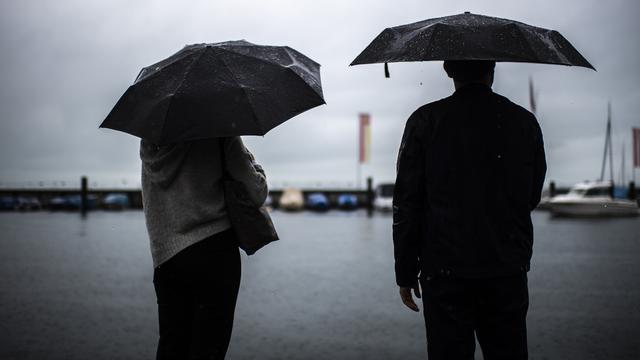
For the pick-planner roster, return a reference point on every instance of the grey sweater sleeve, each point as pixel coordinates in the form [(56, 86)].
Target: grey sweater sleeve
[(242, 167)]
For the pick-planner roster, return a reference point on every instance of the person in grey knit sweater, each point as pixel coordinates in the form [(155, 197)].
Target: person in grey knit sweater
[(194, 250)]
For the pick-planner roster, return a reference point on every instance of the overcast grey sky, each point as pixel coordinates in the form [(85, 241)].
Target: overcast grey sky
[(65, 63)]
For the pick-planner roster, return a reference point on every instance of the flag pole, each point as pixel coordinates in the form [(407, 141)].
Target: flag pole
[(358, 175), (364, 143), (636, 152), (359, 153)]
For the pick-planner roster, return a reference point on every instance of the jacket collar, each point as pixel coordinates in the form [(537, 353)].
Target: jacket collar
[(473, 88)]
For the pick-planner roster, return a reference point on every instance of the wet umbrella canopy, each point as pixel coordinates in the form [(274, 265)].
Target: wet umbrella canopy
[(216, 90), (471, 37)]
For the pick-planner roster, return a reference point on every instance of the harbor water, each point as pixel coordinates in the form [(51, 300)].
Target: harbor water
[(80, 288)]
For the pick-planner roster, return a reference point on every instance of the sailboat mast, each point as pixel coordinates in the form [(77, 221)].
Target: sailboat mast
[(606, 145), (532, 97), (610, 143)]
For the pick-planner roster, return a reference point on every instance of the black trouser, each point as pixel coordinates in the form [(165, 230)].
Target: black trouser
[(494, 309), (197, 291)]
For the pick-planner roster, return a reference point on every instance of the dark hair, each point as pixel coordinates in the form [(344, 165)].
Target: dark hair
[(468, 70)]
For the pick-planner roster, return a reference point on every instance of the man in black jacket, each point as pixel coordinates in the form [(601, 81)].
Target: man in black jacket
[(470, 170)]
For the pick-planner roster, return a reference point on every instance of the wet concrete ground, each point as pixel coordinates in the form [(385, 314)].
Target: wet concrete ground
[(81, 289)]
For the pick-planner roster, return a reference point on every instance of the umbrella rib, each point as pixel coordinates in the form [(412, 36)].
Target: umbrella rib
[(175, 91), (320, 96), (435, 28), (526, 39), (171, 64), (306, 69), (255, 117), (299, 78), (289, 50), (286, 49), (250, 57), (186, 72)]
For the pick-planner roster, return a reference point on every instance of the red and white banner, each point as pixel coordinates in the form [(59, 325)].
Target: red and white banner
[(365, 138), (636, 147)]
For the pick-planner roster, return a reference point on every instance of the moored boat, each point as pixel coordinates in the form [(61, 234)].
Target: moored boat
[(592, 199), (317, 202), (347, 201), (115, 201), (291, 200), (383, 200)]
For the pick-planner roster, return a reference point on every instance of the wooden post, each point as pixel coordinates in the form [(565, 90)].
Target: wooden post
[(369, 196), (633, 195), (84, 201)]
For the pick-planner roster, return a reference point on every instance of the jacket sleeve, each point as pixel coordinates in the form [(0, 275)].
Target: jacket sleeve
[(540, 166), (408, 203), (243, 167)]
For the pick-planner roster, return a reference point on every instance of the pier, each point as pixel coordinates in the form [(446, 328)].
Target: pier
[(92, 197)]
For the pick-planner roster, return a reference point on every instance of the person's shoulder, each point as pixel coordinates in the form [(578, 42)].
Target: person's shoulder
[(425, 111), (525, 118), (434, 105), (505, 104)]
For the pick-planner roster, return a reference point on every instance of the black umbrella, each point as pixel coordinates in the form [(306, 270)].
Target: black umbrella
[(471, 37), (216, 90)]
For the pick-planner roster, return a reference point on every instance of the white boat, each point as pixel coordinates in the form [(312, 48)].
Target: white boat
[(591, 199), (383, 200), (292, 200)]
